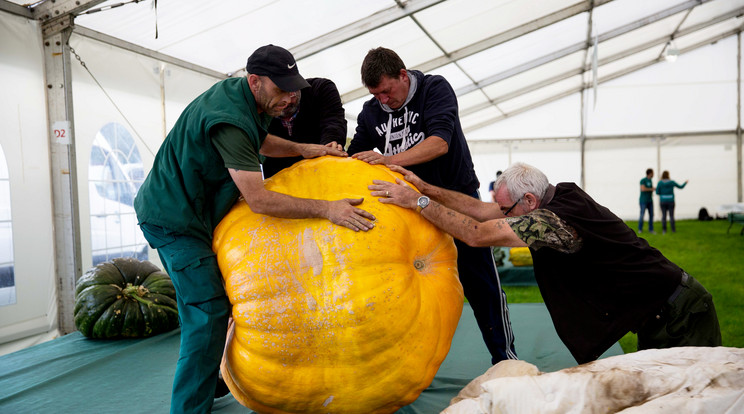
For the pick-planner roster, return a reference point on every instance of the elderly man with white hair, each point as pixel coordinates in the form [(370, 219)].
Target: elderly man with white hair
[(598, 279)]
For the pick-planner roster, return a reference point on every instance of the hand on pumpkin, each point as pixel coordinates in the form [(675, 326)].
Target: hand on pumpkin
[(317, 150), (343, 213), (398, 193), (371, 157), (410, 177)]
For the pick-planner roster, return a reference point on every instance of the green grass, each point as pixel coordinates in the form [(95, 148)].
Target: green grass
[(706, 252)]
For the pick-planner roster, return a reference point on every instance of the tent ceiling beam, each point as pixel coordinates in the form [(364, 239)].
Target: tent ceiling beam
[(57, 15), (16, 9), (492, 41), (607, 78), (511, 34), (604, 61), (360, 27), (662, 135), (113, 41), (578, 46), (50, 10)]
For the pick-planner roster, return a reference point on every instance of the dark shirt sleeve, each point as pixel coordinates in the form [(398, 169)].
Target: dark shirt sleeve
[(363, 140), (440, 111), (237, 149), (542, 228), (331, 115)]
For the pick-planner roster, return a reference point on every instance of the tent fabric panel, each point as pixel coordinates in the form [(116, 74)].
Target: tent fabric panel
[(657, 30), (560, 118), (533, 97), (25, 140), (709, 32), (670, 97), (455, 24), (479, 116), (526, 48), (221, 37), (472, 99), (646, 56), (454, 75), (342, 63), (619, 13), (566, 64), (709, 11)]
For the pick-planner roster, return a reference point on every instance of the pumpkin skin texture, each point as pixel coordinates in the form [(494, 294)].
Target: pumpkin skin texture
[(329, 320), (125, 298)]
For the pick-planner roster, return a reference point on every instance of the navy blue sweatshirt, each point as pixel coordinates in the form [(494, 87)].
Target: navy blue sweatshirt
[(432, 110)]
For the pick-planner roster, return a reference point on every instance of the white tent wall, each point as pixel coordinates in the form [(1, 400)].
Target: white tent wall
[(24, 138), (560, 160), (132, 82), (663, 103), (615, 167)]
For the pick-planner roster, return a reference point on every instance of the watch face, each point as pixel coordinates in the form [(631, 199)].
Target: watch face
[(423, 201)]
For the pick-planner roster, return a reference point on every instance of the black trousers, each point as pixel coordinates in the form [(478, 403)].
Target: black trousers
[(480, 282)]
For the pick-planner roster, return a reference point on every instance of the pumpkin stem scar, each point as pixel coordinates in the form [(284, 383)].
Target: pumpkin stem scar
[(137, 293), (419, 264)]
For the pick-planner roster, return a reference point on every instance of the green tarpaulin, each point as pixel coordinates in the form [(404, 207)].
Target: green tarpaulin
[(73, 374)]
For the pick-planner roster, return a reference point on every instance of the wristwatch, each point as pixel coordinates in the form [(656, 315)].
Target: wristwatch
[(421, 204)]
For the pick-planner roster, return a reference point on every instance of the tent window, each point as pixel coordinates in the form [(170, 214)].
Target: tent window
[(7, 267), (115, 174)]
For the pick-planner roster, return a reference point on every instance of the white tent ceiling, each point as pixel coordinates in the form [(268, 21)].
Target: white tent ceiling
[(503, 57)]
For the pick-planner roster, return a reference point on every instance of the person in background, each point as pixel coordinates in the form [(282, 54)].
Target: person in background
[(647, 202), (599, 279), (412, 121), (209, 159), (665, 190), (314, 116), (490, 187)]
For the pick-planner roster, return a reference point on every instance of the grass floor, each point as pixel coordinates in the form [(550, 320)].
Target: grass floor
[(705, 251)]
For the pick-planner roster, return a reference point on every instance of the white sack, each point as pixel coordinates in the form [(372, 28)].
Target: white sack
[(675, 380)]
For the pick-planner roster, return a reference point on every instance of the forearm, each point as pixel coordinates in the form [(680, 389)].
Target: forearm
[(430, 148), (274, 146), (462, 203), (471, 231), (276, 204)]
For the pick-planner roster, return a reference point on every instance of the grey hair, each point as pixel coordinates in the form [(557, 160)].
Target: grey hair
[(520, 179)]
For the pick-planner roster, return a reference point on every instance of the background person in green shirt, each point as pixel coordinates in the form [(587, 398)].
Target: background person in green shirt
[(665, 190), (211, 157), (647, 202)]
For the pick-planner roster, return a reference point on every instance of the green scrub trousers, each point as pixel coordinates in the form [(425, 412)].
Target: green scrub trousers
[(688, 318), (203, 310)]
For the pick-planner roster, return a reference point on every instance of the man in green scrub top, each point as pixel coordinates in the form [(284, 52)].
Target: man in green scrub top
[(209, 158)]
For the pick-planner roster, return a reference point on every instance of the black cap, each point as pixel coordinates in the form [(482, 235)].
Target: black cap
[(279, 65)]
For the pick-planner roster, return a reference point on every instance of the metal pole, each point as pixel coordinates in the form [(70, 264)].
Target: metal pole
[(583, 139), (63, 168), (738, 121), (162, 99)]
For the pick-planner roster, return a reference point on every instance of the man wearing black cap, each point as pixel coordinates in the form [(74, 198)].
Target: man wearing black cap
[(209, 158)]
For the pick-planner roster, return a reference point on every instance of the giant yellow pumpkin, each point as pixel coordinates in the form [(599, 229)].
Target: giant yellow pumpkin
[(328, 320)]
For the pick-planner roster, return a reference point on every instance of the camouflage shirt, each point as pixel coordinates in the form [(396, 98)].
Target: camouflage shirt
[(542, 228)]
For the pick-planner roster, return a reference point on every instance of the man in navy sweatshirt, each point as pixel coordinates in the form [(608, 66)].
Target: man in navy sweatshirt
[(413, 122)]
